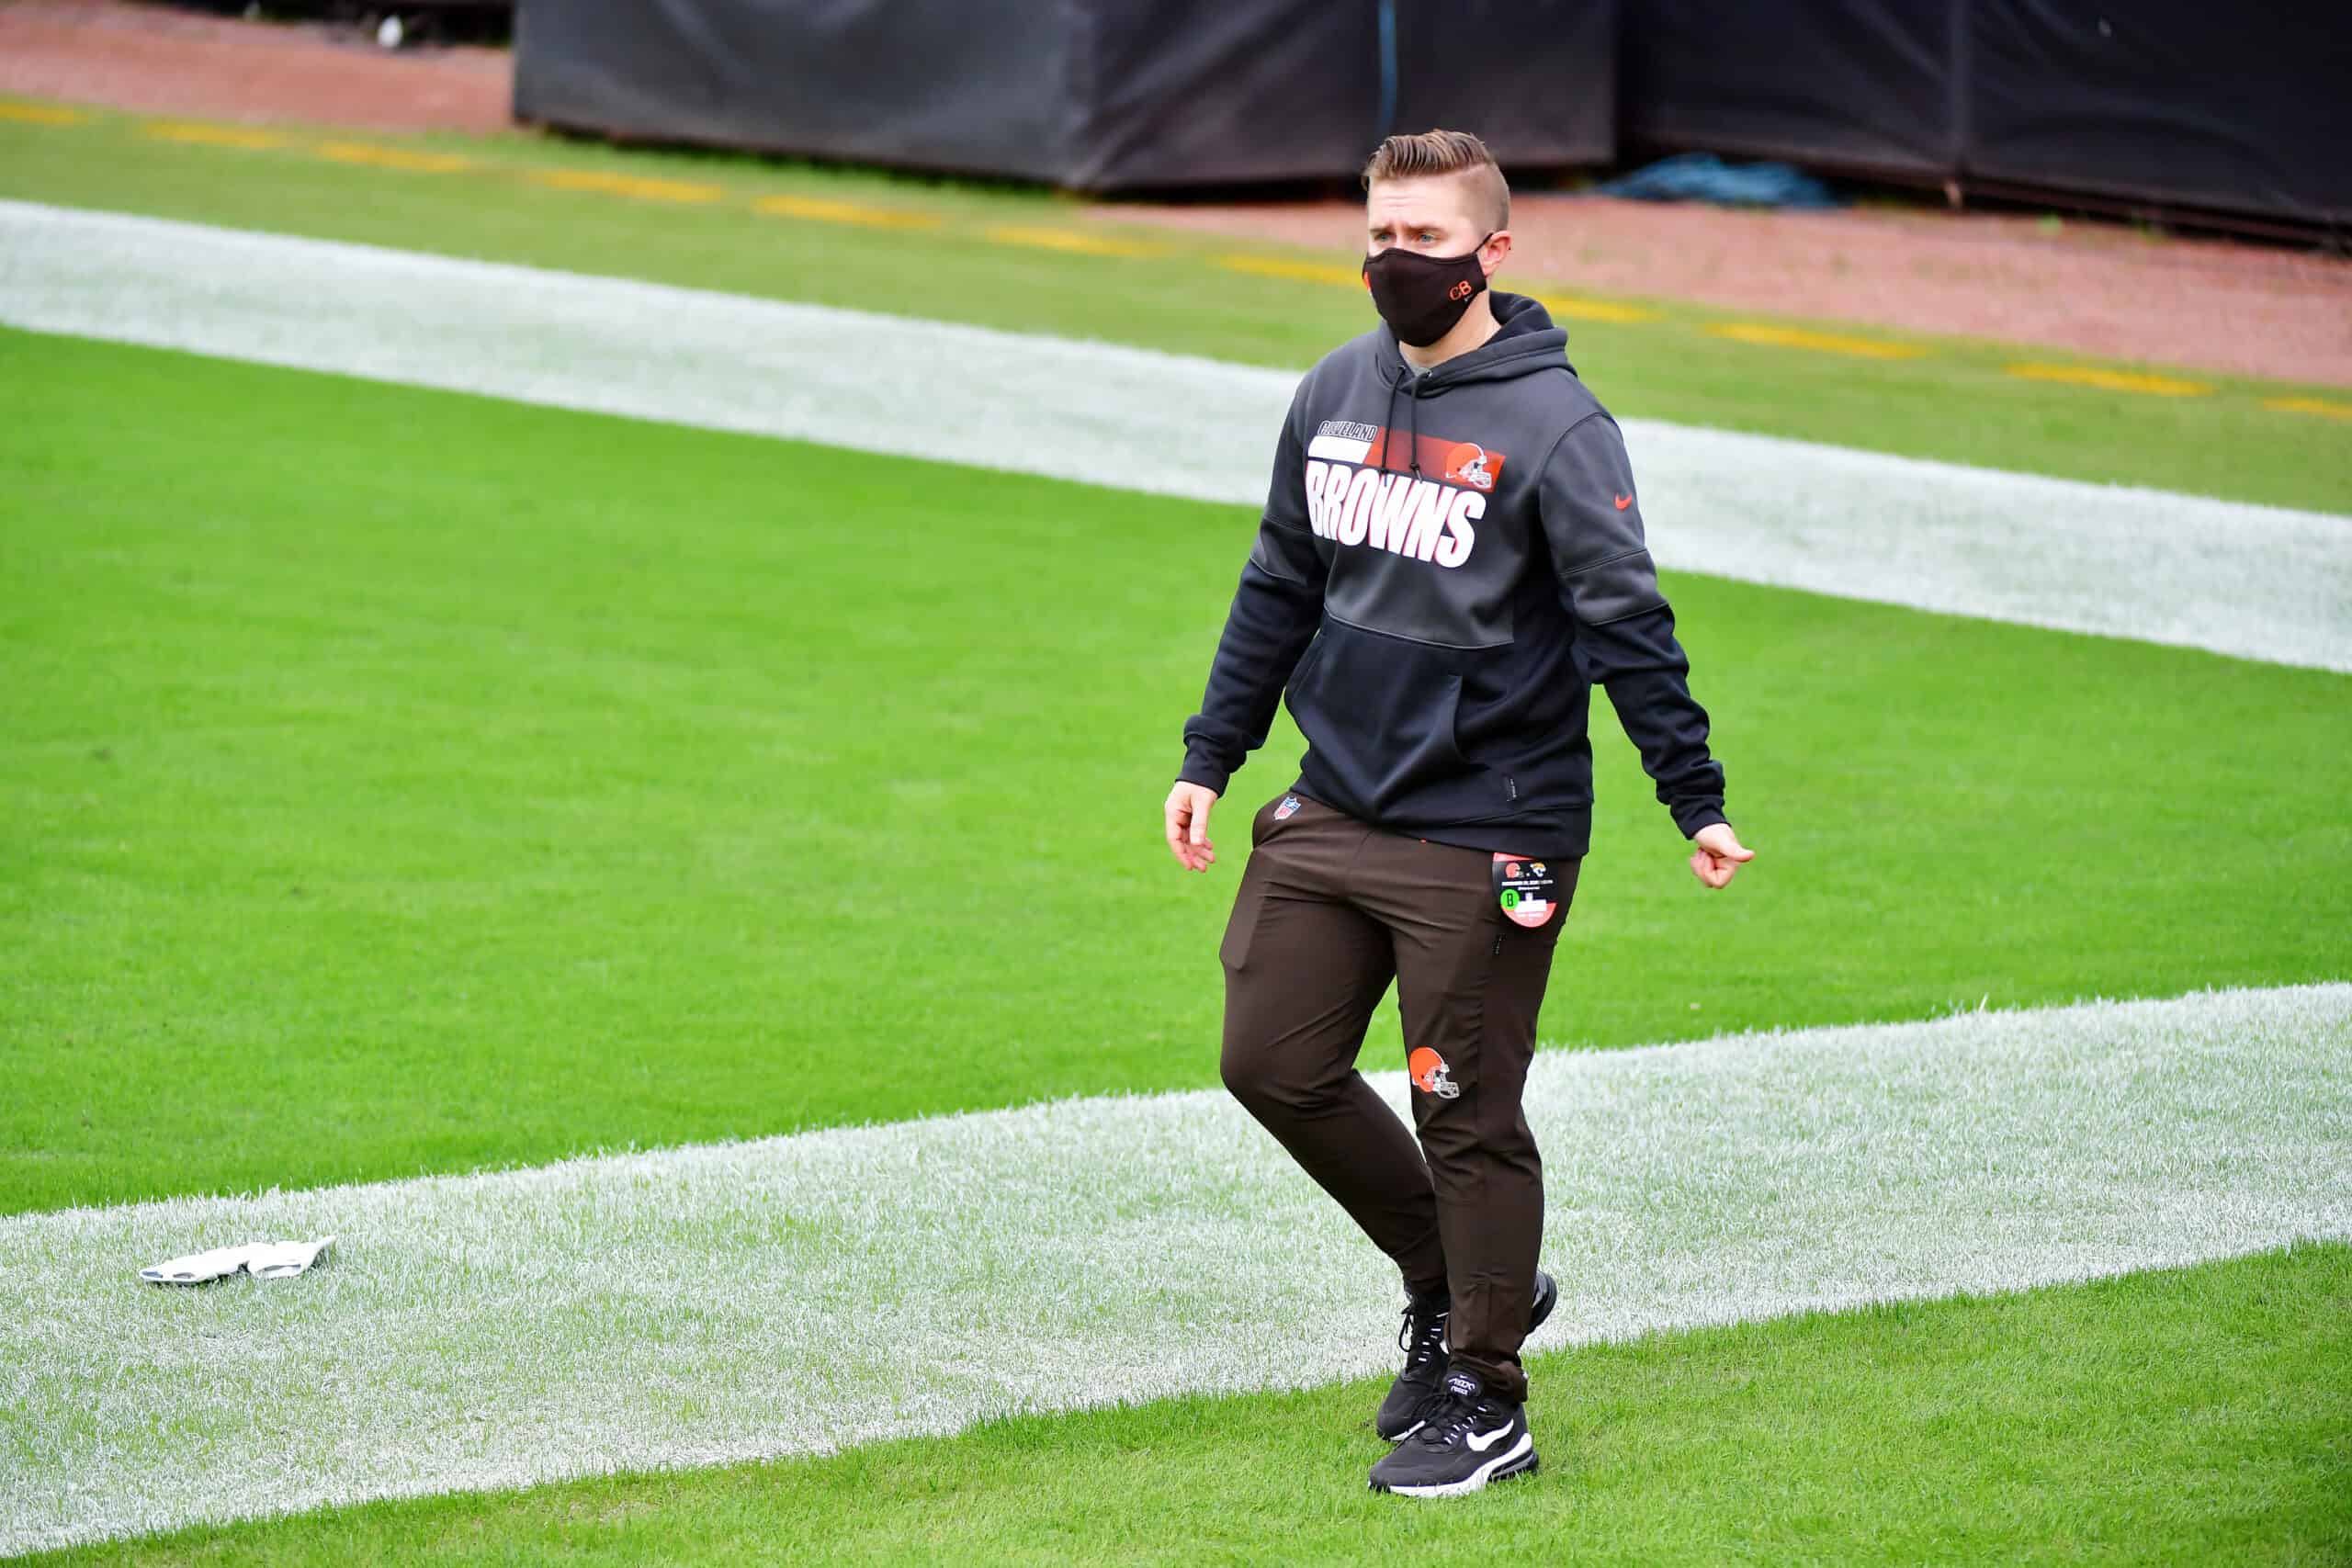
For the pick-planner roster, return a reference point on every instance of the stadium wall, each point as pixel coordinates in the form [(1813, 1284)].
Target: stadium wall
[(1093, 95)]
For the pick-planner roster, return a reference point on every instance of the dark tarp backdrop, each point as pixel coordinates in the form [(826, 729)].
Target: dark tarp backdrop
[(2237, 108), (2243, 107), (972, 85), (1861, 85), (1096, 95), (1177, 92)]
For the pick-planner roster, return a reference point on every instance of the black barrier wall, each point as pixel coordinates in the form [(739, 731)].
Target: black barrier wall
[(972, 85), (1858, 84), (2233, 107), (2243, 108), (1096, 95)]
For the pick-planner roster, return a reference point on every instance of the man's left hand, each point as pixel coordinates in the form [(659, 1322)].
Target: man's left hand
[(1719, 854)]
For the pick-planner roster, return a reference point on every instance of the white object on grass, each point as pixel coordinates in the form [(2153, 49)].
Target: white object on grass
[(284, 1259), (701, 1306), (197, 1268), (262, 1260)]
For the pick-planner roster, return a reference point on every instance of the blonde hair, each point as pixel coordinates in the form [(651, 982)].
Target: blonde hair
[(1435, 152)]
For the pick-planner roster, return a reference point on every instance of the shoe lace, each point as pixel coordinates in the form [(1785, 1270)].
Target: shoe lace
[(1431, 1409), (1444, 1423), (1421, 1336), (1447, 1417)]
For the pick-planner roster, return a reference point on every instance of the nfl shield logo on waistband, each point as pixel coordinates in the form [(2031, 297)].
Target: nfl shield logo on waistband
[(1289, 804)]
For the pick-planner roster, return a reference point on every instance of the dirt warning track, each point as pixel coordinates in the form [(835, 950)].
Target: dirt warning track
[(2087, 287), (148, 59)]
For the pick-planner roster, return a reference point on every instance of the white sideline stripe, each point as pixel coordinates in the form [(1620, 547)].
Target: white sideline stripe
[(719, 1304), (2262, 582)]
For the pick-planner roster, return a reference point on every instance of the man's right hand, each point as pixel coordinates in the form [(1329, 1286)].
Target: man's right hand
[(1188, 826)]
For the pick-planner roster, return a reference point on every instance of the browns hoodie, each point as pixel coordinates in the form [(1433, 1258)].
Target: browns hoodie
[(1447, 564)]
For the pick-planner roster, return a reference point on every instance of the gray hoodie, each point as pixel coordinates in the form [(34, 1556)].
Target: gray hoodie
[(1458, 556)]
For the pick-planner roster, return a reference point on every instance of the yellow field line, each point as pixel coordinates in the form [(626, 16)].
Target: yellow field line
[(206, 135), (2111, 380), (1580, 310), (2319, 406), (1768, 336), (1299, 271), (1077, 241), (41, 114), (825, 210), (1073, 240), (637, 186), (367, 153)]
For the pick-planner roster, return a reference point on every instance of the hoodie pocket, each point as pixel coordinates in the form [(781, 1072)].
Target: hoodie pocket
[(1378, 713)]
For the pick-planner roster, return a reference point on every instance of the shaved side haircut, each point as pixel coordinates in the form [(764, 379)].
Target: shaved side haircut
[(1456, 152)]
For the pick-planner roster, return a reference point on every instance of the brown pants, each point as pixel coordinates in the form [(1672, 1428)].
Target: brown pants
[(1329, 910)]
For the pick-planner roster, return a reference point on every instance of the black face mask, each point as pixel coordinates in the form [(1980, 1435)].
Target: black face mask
[(1421, 297)]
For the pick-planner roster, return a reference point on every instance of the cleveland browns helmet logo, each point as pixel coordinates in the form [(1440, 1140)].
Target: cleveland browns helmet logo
[(1431, 1075), (1465, 464)]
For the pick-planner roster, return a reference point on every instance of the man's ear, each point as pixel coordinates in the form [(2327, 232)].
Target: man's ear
[(1495, 252)]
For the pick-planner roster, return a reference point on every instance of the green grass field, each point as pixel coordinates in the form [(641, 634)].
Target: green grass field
[(2167, 1417), (403, 782), (1957, 404), (408, 781)]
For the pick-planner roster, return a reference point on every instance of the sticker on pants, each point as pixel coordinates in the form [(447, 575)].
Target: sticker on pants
[(1526, 889), (1431, 1075)]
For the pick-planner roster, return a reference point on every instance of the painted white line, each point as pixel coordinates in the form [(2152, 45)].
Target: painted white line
[(2262, 582), (798, 1295)]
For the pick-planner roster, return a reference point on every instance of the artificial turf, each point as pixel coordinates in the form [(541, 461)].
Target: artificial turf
[(2197, 1416), (1956, 403), (402, 781)]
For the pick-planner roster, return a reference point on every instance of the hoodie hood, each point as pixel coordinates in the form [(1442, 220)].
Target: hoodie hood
[(1526, 341), (1445, 564)]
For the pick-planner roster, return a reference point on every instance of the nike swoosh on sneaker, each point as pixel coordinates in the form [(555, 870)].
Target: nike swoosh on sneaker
[(1482, 1441)]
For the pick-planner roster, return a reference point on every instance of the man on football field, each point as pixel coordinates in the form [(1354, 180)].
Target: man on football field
[(1451, 557)]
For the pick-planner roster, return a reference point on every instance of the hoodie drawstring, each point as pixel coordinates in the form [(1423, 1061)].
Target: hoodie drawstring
[(1413, 451), (1414, 398), (1388, 421)]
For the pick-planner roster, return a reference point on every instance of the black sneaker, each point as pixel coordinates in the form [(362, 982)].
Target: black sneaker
[(1475, 1438), (1419, 1391), (1419, 1388), (1547, 1296)]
